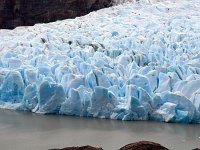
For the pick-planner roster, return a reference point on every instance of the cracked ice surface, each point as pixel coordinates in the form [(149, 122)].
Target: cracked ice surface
[(130, 62)]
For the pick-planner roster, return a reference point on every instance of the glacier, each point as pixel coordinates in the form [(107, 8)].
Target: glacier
[(133, 61)]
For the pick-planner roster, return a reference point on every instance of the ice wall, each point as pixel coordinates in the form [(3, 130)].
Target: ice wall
[(128, 62)]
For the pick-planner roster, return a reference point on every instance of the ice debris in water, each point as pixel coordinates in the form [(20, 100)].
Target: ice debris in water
[(129, 62)]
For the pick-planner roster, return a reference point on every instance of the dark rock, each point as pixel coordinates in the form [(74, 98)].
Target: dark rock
[(80, 148), (15, 13), (143, 145)]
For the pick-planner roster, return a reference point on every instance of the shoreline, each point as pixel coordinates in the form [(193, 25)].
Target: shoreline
[(141, 145)]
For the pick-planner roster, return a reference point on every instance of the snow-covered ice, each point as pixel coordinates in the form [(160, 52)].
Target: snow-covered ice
[(135, 61)]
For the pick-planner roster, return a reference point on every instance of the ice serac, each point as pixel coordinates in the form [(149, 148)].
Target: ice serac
[(175, 108), (73, 105), (51, 96), (12, 89), (134, 61), (102, 102)]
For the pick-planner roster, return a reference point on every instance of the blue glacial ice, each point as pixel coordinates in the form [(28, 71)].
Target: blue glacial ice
[(134, 61)]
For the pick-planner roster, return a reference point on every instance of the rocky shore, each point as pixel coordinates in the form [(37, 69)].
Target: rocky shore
[(80, 148), (142, 145), (15, 13)]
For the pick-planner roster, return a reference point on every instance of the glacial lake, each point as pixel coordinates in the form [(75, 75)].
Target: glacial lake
[(27, 131)]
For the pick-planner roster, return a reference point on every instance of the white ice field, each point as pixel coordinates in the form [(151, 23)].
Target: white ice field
[(134, 61)]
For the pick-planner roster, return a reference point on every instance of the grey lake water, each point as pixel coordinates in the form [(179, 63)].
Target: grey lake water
[(27, 131)]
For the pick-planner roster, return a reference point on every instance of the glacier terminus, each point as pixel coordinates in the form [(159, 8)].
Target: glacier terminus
[(133, 61)]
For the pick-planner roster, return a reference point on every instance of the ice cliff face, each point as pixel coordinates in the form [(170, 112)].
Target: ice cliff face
[(129, 62), (15, 13)]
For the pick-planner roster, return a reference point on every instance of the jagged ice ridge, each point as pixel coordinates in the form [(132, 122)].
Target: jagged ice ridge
[(129, 62)]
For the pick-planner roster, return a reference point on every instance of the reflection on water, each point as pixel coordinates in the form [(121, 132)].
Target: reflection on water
[(47, 131)]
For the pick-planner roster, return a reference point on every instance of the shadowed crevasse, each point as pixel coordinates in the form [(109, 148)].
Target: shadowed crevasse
[(15, 13)]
